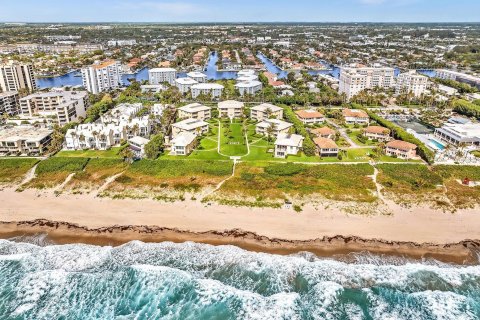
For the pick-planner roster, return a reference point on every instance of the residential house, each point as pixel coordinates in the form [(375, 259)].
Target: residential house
[(137, 145), (310, 117), (355, 116), (277, 127), (265, 111), (183, 144), (401, 149), (195, 126), (288, 144), (326, 147), (324, 132), (459, 133), (377, 133)]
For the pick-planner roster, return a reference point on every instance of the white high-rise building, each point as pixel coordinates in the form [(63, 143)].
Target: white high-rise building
[(161, 75), (15, 77), (355, 80), (9, 103), (411, 82), (102, 76)]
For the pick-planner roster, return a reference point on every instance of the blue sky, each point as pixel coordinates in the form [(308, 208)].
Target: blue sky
[(240, 10)]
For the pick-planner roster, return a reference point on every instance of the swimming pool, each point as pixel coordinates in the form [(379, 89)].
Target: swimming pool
[(436, 145)]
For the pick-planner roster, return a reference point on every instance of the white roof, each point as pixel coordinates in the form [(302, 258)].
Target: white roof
[(246, 72), (196, 74), (266, 106), (248, 84), (139, 140), (183, 139), (278, 124), (186, 81), (190, 124), (247, 78), (230, 104), (162, 70), (293, 140), (194, 107), (207, 86), (27, 133)]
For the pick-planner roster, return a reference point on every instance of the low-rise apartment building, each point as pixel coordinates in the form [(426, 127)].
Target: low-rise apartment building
[(184, 85), (326, 147), (230, 109), (277, 127), (377, 133), (161, 75), (195, 111), (24, 140), (183, 144), (288, 144), (401, 149), (355, 116), (194, 126), (213, 89), (310, 117), (197, 76), (65, 106), (249, 87), (9, 103), (459, 133), (266, 111)]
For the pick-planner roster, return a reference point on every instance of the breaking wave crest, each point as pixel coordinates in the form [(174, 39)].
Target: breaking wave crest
[(198, 281)]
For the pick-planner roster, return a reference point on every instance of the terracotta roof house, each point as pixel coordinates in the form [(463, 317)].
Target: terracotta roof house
[(324, 132), (326, 147), (401, 149), (377, 133), (310, 116), (354, 116)]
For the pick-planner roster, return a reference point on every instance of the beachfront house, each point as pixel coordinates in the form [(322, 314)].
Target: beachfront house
[(183, 144), (195, 126), (355, 116), (137, 145), (377, 133), (230, 109), (194, 111), (324, 132), (288, 144), (265, 111), (326, 147), (310, 117), (401, 149), (272, 127), (24, 140)]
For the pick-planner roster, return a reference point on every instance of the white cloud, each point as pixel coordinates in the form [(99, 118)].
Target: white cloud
[(372, 1)]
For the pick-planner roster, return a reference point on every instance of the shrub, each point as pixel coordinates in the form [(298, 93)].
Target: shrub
[(289, 169)]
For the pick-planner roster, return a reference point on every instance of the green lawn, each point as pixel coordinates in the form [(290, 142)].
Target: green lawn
[(353, 135), (111, 153), (12, 170), (232, 141)]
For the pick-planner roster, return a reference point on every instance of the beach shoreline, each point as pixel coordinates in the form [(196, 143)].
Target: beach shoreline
[(417, 233)]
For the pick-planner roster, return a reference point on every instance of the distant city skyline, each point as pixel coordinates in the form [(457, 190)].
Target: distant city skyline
[(244, 11)]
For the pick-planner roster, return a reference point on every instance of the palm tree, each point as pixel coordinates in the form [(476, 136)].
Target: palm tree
[(270, 131)]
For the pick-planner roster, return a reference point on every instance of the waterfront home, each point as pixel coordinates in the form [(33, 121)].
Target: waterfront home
[(162, 75), (195, 126), (324, 132), (194, 111), (24, 140), (184, 85), (377, 133), (249, 87), (137, 145), (213, 89), (197, 76), (401, 149), (266, 111), (355, 116), (288, 144), (276, 126), (230, 109), (310, 116), (455, 133), (326, 147), (183, 144)]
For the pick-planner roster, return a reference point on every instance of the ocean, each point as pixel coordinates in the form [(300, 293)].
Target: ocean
[(165, 280)]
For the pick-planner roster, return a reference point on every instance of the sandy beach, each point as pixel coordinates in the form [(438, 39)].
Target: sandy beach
[(416, 232)]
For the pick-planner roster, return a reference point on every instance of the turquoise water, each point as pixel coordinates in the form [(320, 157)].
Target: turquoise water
[(197, 281)]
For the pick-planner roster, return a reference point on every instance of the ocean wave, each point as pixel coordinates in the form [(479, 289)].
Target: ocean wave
[(198, 281)]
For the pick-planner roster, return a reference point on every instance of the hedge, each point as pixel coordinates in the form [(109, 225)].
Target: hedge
[(466, 108), (308, 146)]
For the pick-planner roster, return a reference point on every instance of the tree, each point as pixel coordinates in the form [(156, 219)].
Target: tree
[(291, 77), (155, 147), (127, 154)]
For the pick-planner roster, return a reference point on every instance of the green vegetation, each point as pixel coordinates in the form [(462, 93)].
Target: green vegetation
[(13, 170), (461, 87), (407, 179), (99, 108), (155, 147), (54, 171), (281, 181), (232, 140), (466, 108), (308, 146), (111, 153)]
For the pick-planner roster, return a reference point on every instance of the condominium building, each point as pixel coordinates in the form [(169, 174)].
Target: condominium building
[(195, 126), (24, 140), (288, 144), (355, 80), (194, 111), (16, 77), (411, 82), (102, 76), (249, 87), (197, 76), (230, 109), (277, 127), (458, 76), (161, 75), (184, 84), (310, 116), (265, 111), (183, 144), (93, 136), (326, 147), (65, 106), (213, 89), (9, 103), (355, 116), (401, 149), (377, 133), (137, 146), (457, 133)]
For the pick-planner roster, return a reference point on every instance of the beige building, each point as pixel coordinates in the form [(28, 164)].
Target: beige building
[(183, 144), (278, 127), (310, 116), (195, 111), (411, 82), (377, 133), (230, 109), (400, 149), (24, 140), (194, 126), (355, 116), (355, 80), (265, 111), (9, 103), (16, 77), (326, 147), (324, 132)]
